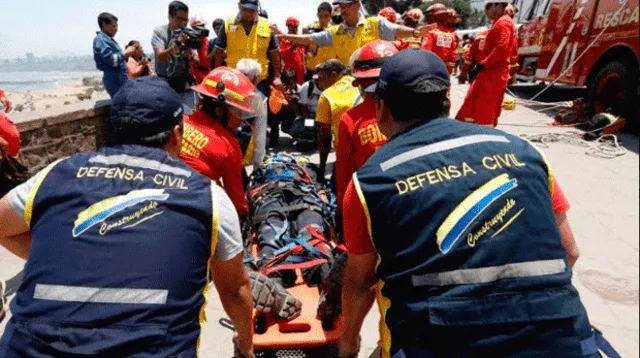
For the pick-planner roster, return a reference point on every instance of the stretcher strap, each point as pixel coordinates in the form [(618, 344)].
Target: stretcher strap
[(295, 266), (289, 257)]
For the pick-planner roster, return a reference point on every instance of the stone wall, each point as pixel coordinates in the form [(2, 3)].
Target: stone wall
[(45, 140)]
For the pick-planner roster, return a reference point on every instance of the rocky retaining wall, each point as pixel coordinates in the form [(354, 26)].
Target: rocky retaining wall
[(45, 140)]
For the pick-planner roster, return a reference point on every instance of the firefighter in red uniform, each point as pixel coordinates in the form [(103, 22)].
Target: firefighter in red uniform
[(389, 13), (208, 144), (483, 102), (411, 19), (358, 132), (454, 20), (292, 54), (477, 52), (441, 40), (513, 70)]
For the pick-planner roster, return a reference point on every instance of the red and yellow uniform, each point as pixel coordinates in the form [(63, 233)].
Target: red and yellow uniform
[(403, 43), (359, 139), (214, 152), (483, 102), (477, 52), (442, 41)]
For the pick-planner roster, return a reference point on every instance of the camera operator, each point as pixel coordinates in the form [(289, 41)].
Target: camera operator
[(173, 56), (200, 66), (138, 62)]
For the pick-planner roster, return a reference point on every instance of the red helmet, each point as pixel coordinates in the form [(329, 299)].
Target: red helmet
[(388, 13), (368, 59), (415, 14), (454, 18), (227, 85), (292, 21), (435, 7)]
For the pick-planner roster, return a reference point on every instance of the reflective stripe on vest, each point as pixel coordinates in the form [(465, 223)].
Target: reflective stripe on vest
[(255, 45), (440, 147), (345, 45), (490, 274), (100, 294)]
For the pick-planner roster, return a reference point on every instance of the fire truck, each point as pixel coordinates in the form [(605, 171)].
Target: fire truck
[(592, 43)]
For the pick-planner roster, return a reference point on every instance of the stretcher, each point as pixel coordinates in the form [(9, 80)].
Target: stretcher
[(306, 335)]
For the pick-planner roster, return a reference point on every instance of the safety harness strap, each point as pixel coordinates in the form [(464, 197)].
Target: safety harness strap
[(289, 257)]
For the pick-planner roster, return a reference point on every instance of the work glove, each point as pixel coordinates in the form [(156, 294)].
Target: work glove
[(475, 71)]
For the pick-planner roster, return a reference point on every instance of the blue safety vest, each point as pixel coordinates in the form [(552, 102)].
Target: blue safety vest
[(118, 267), (461, 218)]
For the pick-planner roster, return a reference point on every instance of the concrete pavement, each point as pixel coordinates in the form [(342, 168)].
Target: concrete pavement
[(604, 215)]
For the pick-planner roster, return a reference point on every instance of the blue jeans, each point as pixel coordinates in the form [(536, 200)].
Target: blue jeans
[(112, 82)]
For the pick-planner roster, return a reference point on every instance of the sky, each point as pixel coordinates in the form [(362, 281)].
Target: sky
[(67, 27)]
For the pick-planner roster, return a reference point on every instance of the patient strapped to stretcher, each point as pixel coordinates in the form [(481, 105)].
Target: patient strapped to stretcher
[(292, 222)]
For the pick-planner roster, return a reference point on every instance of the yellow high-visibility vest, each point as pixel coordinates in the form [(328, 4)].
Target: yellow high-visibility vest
[(342, 96), (345, 45), (254, 46), (317, 55)]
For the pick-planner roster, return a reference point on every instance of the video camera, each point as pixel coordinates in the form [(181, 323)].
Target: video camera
[(194, 36)]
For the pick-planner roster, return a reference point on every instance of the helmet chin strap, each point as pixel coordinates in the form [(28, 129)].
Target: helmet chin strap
[(225, 117)]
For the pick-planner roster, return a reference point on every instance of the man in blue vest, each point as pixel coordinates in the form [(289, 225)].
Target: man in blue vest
[(108, 55), (120, 244), (457, 223)]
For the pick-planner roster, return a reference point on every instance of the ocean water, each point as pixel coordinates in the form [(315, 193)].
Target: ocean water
[(31, 81)]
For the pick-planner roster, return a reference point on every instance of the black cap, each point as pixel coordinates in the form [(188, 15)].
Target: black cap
[(250, 4), (410, 72), (332, 65), (338, 2), (151, 101)]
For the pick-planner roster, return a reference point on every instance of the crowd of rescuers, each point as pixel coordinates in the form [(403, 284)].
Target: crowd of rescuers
[(489, 272)]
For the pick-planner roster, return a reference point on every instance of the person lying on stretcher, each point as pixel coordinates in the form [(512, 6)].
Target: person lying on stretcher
[(292, 216)]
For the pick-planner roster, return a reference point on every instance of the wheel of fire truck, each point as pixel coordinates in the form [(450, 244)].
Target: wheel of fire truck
[(615, 90)]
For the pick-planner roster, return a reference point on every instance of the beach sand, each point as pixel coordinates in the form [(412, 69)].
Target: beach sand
[(69, 94)]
